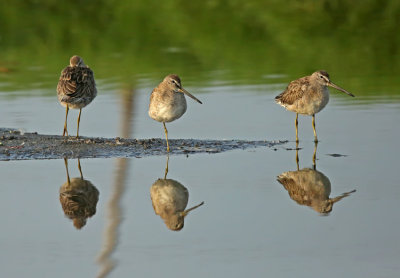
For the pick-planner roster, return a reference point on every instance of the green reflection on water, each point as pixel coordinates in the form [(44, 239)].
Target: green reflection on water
[(236, 42)]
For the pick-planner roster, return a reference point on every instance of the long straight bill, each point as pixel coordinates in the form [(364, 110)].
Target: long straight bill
[(190, 95), (184, 213), (340, 89)]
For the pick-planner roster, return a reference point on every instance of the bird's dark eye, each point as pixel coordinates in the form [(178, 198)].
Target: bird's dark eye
[(321, 76), (175, 82)]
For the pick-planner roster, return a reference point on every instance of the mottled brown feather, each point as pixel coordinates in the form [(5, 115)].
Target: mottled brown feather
[(79, 200), (294, 91), (76, 86), (296, 193)]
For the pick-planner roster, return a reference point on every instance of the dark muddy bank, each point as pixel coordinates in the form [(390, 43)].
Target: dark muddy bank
[(15, 145)]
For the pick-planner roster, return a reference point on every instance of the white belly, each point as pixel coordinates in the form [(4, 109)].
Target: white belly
[(168, 111), (310, 104)]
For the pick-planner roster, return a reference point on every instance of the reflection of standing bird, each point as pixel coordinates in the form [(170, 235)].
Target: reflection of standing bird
[(310, 188), (170, 198), (308, 95), (167, 101), (76, 88), (78, 198)]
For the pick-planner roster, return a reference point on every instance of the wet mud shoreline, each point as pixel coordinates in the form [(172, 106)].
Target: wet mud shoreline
[(15, 145)]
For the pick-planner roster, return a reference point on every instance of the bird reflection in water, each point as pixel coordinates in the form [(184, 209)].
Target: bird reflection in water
[(78, 198), (310, 187), (170, 198)]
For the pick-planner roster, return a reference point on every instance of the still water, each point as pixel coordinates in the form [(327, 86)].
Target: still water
[(248, 225)]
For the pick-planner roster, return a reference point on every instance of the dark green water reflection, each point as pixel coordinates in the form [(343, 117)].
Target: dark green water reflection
[(236, 42)]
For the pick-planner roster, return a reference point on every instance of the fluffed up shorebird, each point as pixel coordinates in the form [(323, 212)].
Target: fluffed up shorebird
[(308, 95), (167, 101), (76, 88)]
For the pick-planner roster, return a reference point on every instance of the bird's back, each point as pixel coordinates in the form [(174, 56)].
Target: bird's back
[(306, 185), (294, 91), (304, 96), (76, 87)]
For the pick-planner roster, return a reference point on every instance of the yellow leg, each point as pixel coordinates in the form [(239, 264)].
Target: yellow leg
[(314, 158), (166, 136), (297, 124), (79, 120), (297, 155), (313, 125), (79, 167), (166, 168), (65, 124), (66, 168)]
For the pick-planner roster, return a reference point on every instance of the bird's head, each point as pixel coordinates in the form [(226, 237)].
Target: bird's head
[(322, 78), (76, 61), (173, 82), (175, 222)]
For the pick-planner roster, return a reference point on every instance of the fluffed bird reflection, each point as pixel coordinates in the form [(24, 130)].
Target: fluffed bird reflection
[(170, 198), (78, 198), (309, 187)]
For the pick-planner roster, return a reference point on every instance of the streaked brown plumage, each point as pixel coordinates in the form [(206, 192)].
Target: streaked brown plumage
[(78, 198), (311, 188), (167, 101), (308, 95), (76, 88)]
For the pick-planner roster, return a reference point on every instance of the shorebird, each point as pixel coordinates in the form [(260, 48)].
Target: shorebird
[(170, 198), (78, 198), (167, 101), (308, 95), (76, 88)]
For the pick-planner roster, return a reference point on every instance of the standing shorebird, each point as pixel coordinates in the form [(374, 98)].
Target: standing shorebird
[(167, 101), (76, 88), (308, 95)]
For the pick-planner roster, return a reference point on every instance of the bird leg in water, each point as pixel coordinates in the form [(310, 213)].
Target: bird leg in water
[(79, 167), (65, 124), (166, 136), (297, 156), (314, 158), (66, 167), (166, 168), (79, 120), (297, 125), (313, 125)]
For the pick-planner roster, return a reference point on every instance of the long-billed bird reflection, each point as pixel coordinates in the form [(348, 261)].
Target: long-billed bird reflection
[(170, 198), (310, 187), (78, 198)]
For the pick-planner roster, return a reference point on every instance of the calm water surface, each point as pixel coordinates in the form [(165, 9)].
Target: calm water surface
[(235, 57), (249, 225)]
